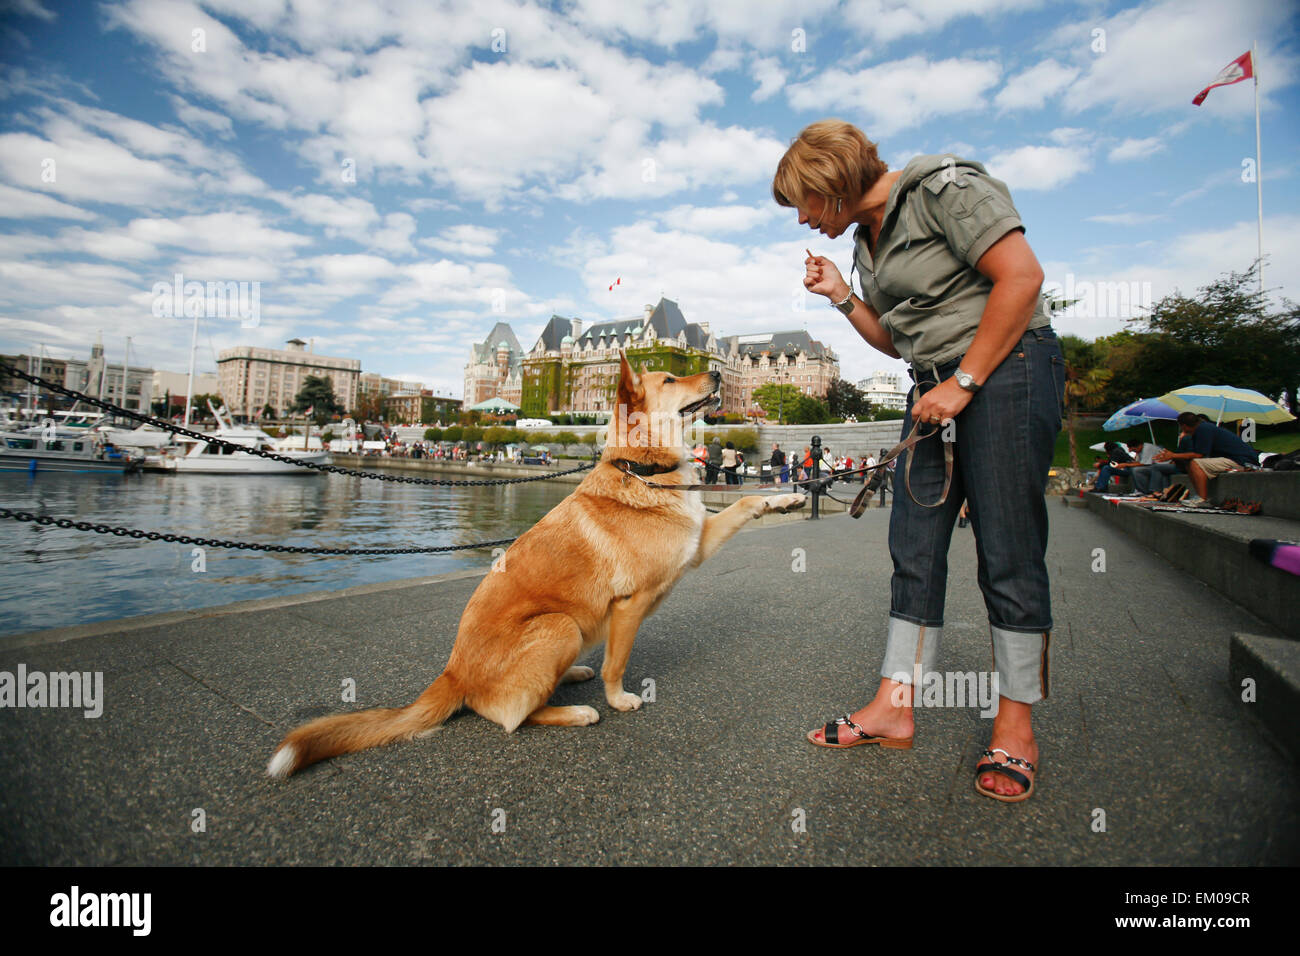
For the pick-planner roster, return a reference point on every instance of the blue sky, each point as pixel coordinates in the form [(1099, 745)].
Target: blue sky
[(512, 159)]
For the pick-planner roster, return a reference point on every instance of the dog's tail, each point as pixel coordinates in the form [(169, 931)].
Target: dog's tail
[(346, 733)]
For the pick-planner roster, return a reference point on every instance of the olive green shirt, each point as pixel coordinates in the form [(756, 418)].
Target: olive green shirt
[(943, 213)]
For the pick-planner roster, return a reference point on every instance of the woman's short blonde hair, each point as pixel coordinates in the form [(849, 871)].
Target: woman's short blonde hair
[(830, 158)]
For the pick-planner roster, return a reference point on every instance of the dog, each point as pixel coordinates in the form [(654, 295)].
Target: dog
[(589, 572)]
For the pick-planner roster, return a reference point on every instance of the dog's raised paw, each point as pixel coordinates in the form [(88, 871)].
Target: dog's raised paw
[(783, 503), (625, 701)]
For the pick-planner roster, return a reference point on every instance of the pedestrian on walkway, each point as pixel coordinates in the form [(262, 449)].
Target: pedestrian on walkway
[(715, 461), (729, 463), (973, 327)]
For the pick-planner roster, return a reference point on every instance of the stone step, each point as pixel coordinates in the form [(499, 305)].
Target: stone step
[(1215, 549), (1271, 665)]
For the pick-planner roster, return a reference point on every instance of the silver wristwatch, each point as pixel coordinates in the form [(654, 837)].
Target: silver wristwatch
[(966, 381), (847, 305)]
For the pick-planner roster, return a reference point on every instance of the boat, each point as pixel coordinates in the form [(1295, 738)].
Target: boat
[(206, 457), (41, 449)]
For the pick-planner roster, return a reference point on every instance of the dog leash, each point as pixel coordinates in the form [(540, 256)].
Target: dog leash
[(859, 503)]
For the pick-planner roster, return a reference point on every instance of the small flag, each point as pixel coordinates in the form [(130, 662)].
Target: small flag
[(618, 281), (1242, 68), (310, 410)]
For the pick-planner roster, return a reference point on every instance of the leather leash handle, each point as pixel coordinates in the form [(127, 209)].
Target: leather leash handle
[(865, 495)]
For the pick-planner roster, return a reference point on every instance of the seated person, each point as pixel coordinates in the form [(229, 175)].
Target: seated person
[(1211, 450), (1116, 457), (1144, 477)]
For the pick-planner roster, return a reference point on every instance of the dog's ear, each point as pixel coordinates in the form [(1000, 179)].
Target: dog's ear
[(630, 390)]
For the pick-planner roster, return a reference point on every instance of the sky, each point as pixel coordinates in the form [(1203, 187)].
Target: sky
[(389, 179)]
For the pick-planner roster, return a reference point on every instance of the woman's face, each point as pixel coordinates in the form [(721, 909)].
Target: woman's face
[(820, 216)]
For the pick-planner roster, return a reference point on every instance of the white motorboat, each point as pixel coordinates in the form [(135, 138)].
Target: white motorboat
[(205, 457)]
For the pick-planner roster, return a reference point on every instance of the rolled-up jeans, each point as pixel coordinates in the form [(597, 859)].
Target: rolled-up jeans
[(1003, 444)]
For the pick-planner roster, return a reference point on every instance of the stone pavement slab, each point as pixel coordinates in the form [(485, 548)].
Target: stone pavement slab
[(1141, 728)]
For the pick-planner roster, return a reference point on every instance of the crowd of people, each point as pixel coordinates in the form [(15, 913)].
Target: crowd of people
[(443, 451), (718, 460)]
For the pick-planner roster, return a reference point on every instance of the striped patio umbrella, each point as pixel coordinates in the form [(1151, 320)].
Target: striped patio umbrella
[(1136, 413), (1227, 404)]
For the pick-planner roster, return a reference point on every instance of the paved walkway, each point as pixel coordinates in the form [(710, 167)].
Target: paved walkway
[(746, 656)]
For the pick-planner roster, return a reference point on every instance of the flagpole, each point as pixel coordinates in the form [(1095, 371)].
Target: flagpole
[(1259, 169)]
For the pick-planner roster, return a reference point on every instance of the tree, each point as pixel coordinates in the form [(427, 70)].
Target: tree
[(317, 394), (844, 398), (777, 400), (268, 411), (370, 407), (1085, 383), (1226, 335)]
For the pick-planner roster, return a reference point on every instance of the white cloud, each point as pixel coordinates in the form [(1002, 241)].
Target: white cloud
[(887, 20), (1032, 88), (902, 93), (470, 241), (1126, 218), (716, 219), (1039, 167), (1132, 149), (22, 204), (1159, 55), (200, 119), (770, 77)]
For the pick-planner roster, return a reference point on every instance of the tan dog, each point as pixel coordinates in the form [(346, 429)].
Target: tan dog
[(590, 571)]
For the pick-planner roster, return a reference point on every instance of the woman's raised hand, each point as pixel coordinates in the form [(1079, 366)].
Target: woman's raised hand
[(824, 278)]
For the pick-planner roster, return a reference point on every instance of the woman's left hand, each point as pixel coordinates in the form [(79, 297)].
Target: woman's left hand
[(939, 404)]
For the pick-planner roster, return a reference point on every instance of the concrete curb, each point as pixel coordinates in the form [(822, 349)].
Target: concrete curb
[(1273, 664)]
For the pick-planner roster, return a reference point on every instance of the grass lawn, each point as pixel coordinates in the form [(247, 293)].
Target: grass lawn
[(1270, 438)]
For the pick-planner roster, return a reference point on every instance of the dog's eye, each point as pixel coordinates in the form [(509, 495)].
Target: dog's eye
[(669, 379)]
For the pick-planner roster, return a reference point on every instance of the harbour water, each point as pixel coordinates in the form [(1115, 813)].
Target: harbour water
[(55, 577)]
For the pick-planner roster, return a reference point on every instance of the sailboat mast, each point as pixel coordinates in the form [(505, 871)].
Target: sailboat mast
[(189, 391)]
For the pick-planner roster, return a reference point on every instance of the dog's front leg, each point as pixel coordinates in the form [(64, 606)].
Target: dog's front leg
[(624, 620), (720, 527)]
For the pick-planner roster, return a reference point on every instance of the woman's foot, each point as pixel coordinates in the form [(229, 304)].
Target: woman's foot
[(1013, 734), (888, 715)]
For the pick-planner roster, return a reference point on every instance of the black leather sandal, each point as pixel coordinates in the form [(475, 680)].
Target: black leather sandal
[(831, 736), (1015, 776)]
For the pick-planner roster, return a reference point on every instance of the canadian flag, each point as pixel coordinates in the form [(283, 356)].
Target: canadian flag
[(618, 281), (1242, 68), (311, 410)]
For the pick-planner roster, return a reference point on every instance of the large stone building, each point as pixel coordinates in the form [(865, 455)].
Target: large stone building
[(252, 378), (421, 408), (174, 385), (495, 368), (102, 379), (783, 358), (572, 369)]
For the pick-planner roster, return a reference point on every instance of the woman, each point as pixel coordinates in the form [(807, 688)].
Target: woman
[(951, 286), (729, 463)]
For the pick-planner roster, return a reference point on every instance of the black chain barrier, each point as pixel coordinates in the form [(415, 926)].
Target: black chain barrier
[(317, 466), (238, 545)]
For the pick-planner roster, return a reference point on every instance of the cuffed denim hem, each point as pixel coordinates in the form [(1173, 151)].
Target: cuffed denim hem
[(920, 622), (911, 650), (1021, 663), (1046, 628)]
